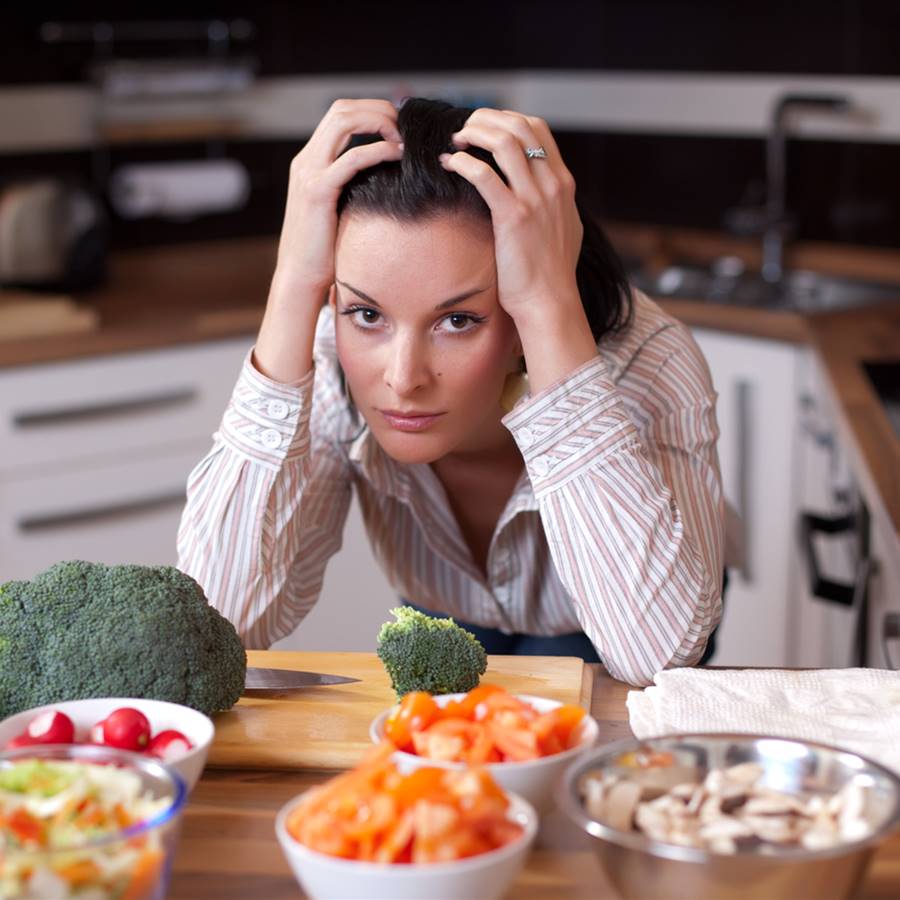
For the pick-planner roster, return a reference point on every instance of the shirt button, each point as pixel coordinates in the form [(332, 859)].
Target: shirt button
[(278, 409), (526, 438), (271, 439), (540, 466)]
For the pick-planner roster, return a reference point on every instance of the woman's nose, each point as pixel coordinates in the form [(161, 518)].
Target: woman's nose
[(407, 368)]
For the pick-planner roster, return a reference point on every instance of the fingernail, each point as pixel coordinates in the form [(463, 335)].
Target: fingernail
[(401, 145), (443, 157)]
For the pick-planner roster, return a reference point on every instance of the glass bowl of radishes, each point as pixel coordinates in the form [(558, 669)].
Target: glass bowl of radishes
[(175, 735)]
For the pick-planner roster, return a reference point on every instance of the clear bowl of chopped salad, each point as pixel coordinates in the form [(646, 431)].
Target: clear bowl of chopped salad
[(87, 822)]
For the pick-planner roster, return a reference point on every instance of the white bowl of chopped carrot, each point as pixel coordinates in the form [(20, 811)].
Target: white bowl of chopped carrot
[(525, 742), (378, 833)]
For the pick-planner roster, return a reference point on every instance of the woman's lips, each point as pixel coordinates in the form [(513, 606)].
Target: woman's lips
[(409, 421)]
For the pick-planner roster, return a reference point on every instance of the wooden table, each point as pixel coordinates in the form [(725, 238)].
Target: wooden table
[(228, 849)]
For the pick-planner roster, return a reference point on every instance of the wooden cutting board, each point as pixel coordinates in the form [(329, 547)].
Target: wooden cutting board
[(328, 727)]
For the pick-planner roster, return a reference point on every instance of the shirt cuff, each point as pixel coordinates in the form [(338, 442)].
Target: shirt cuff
[(266, 420), (570, 425)]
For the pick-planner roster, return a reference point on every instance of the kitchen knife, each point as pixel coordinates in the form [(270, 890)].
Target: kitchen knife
[(284, 679)]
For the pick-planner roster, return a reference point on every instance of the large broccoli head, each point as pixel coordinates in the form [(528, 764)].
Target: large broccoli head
[(83, 629), (422, 653)]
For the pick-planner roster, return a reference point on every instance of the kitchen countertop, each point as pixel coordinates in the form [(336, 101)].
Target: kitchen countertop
[(163, 296), (228, 847), (188, 293)]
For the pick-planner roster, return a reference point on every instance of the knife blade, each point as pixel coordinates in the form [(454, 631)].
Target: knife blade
[(259, 679)]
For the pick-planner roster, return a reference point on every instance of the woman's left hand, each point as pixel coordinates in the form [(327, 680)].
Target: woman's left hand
[(537, 230)]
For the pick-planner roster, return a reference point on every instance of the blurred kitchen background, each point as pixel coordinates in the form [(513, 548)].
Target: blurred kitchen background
[(745, 159)]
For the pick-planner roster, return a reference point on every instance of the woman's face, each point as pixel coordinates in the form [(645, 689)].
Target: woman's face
[(422, 339)]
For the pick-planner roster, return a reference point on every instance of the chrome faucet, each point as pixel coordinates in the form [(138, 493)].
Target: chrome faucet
[(776, 222)]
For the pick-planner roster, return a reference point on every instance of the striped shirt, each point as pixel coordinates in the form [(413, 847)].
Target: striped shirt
[(615, 526)]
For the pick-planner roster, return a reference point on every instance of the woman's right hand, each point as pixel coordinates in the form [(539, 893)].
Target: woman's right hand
[(305, 266), (318, 174)]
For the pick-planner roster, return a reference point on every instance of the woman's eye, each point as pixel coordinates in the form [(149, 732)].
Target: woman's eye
[(459, 322), (363, 316)]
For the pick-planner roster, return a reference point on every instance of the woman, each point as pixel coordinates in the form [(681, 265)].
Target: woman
[(587, 520)]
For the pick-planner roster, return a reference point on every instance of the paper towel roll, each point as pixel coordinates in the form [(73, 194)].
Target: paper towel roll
[(179, 190)]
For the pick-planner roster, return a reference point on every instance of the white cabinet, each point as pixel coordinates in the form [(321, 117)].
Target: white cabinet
[(95, 454), (756, 384), (884, 596), (94, 459), (783, 455), (861, 558), (116, 512), (821, 633)]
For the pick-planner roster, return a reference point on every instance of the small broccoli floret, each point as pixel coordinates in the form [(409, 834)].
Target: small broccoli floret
[(422, 653), (83, 629)]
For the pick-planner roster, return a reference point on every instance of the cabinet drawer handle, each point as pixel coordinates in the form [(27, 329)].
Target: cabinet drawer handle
[(819, 586), (111, 410), (854, 594), (92, 515), (890, 630)]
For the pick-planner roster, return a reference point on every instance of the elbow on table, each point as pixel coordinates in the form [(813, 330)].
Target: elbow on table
[(684, 649)]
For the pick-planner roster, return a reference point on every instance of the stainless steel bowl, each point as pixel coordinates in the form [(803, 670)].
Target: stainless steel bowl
[(644, 869)]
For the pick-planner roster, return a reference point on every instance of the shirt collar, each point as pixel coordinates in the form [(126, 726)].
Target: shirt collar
[(390, 477)]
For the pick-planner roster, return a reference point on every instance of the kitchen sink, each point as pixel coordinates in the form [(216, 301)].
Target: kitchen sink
[(727, 282), (885, 378)]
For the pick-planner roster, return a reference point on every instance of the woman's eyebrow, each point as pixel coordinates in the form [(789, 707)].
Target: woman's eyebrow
[(444, 304)]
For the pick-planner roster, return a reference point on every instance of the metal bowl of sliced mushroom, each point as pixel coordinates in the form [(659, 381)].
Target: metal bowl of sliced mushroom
[(730, 816)]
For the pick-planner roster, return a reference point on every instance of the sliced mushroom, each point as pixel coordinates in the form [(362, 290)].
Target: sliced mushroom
[(621, 802), (775, 829), (746, 774), (725, 827)]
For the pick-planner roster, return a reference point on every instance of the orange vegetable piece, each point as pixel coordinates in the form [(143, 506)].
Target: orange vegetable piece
[(501, 700), (568, 718), (397, 841), (417, 710), (144, 876), (467, 705), (453, 740), (477, 783), (79, 873), (27, 828), (516, 744), (550, 745), (419, 783)]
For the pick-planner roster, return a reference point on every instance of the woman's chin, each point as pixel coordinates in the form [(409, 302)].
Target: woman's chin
[(412, 449)]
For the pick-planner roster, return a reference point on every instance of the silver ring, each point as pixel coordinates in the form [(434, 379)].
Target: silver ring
[(535, 153)]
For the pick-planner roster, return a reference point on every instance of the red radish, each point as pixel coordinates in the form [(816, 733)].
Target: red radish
[(51, 727), (127, 729), (95, 735), (169, 745), (21, 740)]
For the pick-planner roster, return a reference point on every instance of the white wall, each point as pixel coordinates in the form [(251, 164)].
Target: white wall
[(43, 117)]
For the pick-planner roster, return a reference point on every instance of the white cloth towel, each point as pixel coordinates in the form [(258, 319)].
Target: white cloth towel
[(855, 709)]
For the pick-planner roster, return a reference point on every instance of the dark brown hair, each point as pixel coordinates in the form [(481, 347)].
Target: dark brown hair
[(417, 188)]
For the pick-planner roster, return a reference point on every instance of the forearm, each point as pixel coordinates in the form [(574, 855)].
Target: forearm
[(265, 509), (284, 346), (644, 590), (633, 518), (556, 339)]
